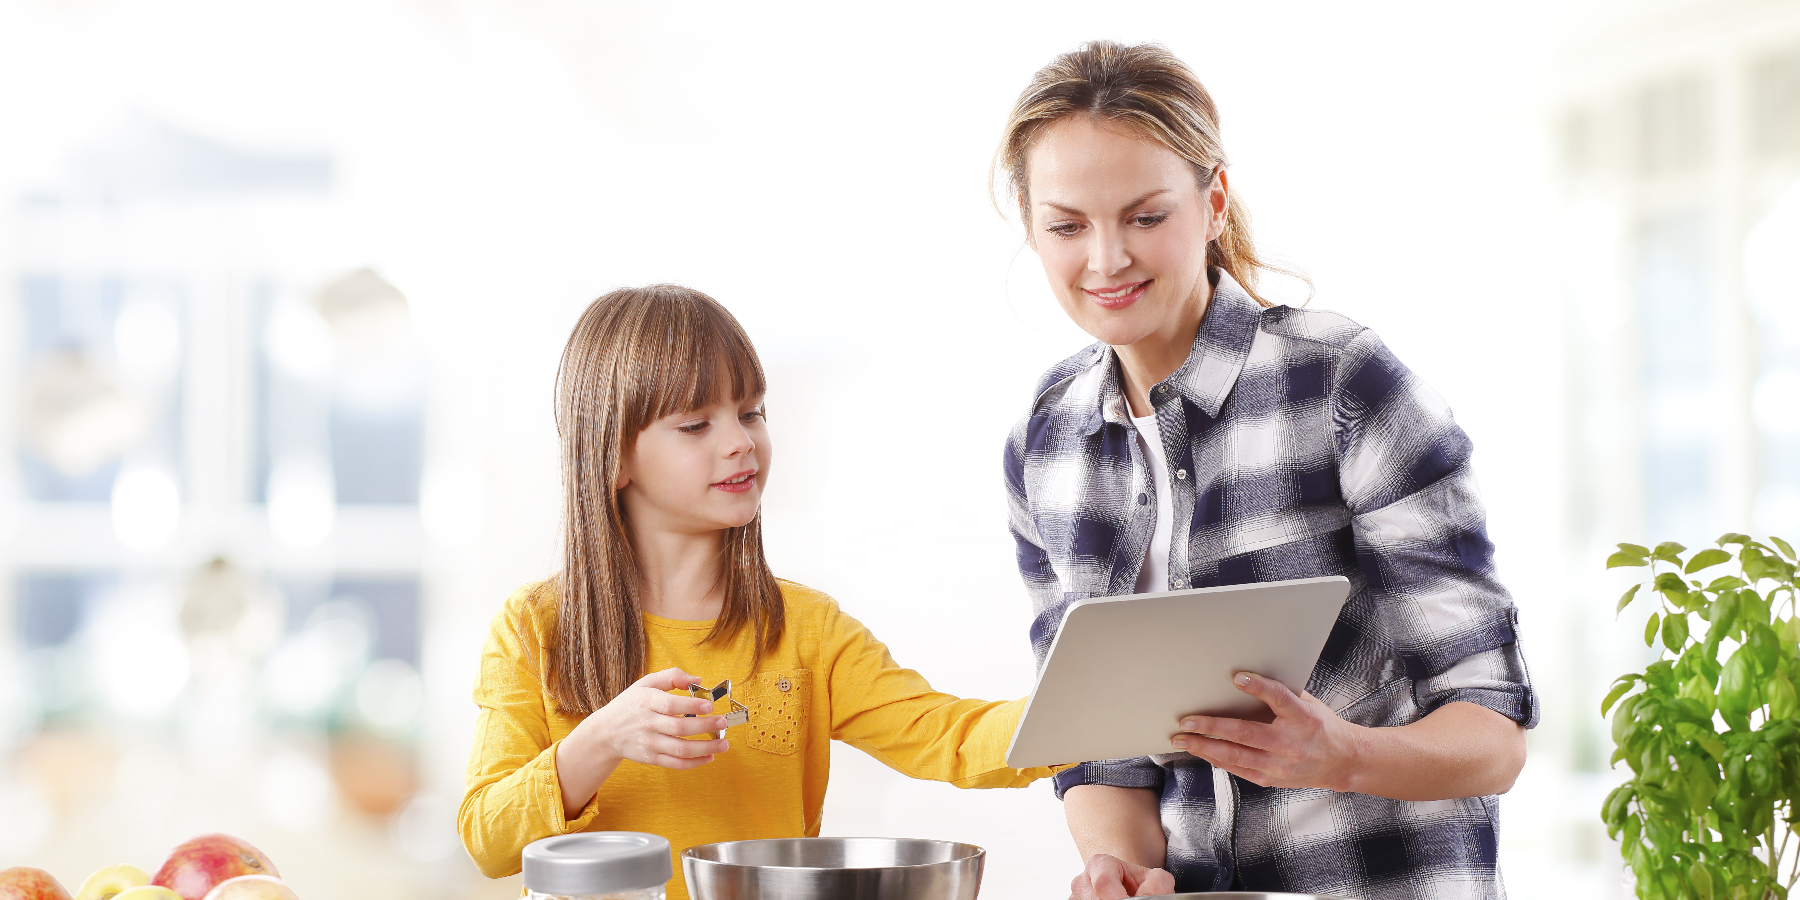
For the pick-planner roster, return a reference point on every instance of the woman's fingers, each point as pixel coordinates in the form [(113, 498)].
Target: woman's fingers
[(1225, 753), (1269, 691), (1237, 731)]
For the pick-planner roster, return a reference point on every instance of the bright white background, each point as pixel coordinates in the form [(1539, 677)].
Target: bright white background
[(821, 170)]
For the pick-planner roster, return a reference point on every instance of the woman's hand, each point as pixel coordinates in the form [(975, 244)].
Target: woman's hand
[(1459, 749), (1307, 745), (1108, 877), (644, 724)]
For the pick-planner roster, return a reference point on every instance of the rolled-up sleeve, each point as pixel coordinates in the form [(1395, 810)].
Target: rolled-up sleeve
[(1421, 538), (1135, 772)]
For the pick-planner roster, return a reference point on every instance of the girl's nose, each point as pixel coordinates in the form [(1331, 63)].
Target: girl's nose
[(739, 442)]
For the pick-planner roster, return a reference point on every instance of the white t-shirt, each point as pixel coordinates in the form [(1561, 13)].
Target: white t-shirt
[(1154, 576)]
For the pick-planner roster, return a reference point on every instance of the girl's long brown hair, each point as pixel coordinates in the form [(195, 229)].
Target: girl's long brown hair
[(636, 355), (1146, 88)]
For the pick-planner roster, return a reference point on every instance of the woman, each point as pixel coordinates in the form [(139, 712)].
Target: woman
[(1212, 438)]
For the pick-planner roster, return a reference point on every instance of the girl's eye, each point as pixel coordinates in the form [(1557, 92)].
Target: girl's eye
[(756, 413), (1150, 220), (692, 427)]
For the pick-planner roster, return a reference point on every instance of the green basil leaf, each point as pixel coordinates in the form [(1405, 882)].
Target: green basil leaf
[(1787, 550), (1699, 689), (1762, 773), (1726, 583), (1675, 631), (1737, 692), (1764, 646), (1783, 704), (1701, 880), (1714, 747), (1626, 600), (1612, 696), (1755, 565), (1650, 629), (1724, 616), (1733, 538), (1709, 557), (1622, 558), (1668, 551)]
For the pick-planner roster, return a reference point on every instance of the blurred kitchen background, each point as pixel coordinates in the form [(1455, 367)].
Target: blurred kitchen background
[(283, 285)]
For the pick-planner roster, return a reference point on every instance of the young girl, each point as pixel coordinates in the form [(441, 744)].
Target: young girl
[(584, 708)]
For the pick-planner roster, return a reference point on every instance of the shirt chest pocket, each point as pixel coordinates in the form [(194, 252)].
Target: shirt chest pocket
[(778, 702)]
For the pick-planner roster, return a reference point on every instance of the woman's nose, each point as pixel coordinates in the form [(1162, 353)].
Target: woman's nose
[(1106, 254)]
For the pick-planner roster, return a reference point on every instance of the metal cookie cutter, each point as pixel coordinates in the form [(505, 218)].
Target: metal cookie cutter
[(739, 715)]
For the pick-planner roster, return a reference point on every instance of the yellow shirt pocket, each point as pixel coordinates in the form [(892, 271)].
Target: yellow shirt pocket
[(778, 704)]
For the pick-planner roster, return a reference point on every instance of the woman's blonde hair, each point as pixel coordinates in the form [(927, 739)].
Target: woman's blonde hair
[(636, 355), (1147, 89)]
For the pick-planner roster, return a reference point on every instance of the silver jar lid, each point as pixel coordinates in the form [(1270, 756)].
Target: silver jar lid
[(594, 861)]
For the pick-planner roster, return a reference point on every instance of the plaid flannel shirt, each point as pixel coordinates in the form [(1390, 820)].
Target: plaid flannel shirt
[(1298, 447)]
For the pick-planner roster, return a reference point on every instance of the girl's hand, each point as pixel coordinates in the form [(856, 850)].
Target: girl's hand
[(1306, 746), (646, 724)]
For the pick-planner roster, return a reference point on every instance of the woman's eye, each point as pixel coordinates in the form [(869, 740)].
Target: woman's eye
[(1064, 229), (1149, 221)]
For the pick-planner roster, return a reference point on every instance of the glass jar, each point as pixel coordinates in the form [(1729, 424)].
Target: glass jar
[(598, 865)]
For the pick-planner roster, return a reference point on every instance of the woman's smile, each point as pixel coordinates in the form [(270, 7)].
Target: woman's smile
[(1118, 296)]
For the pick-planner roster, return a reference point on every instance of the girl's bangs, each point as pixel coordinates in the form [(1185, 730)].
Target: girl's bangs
[(704, 358)]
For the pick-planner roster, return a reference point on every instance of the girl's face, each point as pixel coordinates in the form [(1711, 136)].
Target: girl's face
[(1121, 227), (698, 471)]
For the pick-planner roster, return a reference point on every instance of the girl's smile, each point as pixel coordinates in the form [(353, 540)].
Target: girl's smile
[(737, 483)]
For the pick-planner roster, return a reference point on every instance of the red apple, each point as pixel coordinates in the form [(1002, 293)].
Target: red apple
[(26, 883), (197, 864)]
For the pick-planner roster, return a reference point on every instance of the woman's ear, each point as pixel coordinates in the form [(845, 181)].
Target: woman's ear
[(1218, 205)]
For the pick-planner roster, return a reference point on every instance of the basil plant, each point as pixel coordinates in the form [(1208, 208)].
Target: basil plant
[(1710, 729)]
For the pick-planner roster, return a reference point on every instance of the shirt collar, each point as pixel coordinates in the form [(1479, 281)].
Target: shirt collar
[(1205, 378)]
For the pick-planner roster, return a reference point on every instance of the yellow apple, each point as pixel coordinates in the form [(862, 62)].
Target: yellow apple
[(252, 887), (108, 882), (147, 892)]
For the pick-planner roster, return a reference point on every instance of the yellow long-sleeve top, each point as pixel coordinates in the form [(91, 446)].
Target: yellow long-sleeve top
[(828, 677)]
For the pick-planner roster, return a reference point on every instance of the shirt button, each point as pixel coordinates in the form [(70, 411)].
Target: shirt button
[(783, 685), (1180, 474), (1177, 582), (1143, 499)]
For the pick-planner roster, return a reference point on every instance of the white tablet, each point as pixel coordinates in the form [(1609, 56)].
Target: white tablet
[(1124, 670)]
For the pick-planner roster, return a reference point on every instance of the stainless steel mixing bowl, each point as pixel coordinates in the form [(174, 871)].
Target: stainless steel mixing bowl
[(833, 869)]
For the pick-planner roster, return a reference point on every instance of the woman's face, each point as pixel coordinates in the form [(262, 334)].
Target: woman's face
[(698, 471), (1121, 227)]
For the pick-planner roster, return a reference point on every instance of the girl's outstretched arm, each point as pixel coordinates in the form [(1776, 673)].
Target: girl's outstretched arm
[(891, 713)]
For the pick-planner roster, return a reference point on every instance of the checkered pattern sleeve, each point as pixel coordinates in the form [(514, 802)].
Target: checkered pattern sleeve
[(1420, 537)]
